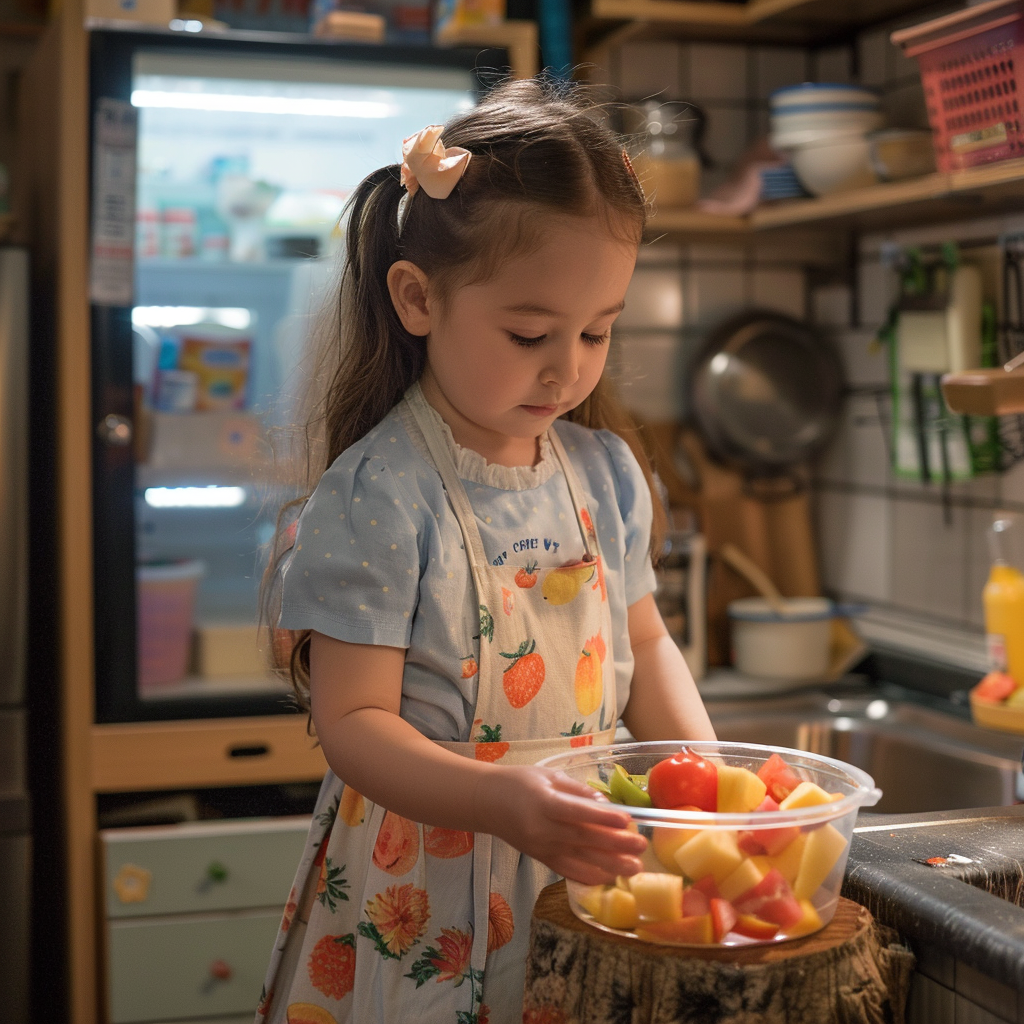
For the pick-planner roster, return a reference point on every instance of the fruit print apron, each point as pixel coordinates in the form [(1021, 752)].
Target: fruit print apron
[(390, 920)]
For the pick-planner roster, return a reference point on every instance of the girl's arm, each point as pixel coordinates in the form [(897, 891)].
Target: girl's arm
[(355, 692), (663, 700)]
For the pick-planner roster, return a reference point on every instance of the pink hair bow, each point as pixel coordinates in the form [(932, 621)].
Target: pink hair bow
[(428, 165)]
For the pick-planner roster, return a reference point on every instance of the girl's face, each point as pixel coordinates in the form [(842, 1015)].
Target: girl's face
[(508, 356)]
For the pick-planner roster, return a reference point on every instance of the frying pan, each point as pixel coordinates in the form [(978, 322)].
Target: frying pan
[(766, 392)]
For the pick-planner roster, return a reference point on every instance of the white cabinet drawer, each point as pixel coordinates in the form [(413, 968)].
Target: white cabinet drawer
[(181, 968), (178, 869)]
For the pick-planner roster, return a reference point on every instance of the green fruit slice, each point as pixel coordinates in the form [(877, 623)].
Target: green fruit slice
[(625, 791)]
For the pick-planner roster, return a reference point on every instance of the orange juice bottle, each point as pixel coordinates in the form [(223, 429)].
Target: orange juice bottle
[(1003, 598)]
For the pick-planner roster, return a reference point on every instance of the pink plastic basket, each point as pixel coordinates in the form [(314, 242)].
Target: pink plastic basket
[(973, 82)]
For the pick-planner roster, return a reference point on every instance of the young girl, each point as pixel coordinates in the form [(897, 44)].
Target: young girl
[(472, 574)]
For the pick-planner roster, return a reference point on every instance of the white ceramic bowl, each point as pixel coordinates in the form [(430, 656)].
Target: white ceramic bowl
[(796, 645), (723, 852), (817, 94), (834, 165), (826, 121)]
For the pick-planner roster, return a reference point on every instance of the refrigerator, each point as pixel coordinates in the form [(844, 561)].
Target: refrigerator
[(220, 166), (15, 840)]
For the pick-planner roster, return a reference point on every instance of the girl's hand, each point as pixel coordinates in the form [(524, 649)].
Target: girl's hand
[(562, 823)]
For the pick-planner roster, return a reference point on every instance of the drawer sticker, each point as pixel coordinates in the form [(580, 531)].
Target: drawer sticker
[(132, 883)]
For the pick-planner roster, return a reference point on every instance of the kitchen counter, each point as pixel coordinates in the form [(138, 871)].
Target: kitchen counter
[(971, 907)]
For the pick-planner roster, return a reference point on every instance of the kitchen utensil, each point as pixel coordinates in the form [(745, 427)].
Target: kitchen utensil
[(766, 392), (792, 642), (754, 575), (712, 848)]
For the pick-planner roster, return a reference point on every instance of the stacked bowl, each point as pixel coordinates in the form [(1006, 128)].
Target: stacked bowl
[(823, 128)]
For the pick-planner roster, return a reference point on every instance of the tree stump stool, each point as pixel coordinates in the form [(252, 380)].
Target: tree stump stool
[(851, 972)]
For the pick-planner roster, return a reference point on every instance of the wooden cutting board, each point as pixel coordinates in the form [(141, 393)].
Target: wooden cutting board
[(775, 531)]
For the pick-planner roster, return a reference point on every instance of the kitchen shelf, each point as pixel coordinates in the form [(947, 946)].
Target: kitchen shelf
[(791, 21), (989, 190)]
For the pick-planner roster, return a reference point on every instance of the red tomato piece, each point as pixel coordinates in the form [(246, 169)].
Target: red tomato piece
[(753, 927), (695, 902), (780, 779), (708, 886), (996, 687), (767, 840), (771, 900), (685, 778), (723, 917)]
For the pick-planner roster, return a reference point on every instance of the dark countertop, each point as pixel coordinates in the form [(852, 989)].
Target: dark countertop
[(973, 909)]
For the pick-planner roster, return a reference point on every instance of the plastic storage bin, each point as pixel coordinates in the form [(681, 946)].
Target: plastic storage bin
[(973, 82), (166, 600), (725, 879)]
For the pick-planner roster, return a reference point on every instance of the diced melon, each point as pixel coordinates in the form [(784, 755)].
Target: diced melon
[(822, 848), (739, 789), (689, 930), (618, 909), (666, 841), (807, 794), (590, 899), (745, 877), (710, 852), (788, 861), (809, 922), (659, 897)]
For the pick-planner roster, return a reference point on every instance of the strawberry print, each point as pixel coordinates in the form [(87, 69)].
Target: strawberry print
[(577, 737), (527, 576), (523, 679), (489, 745), (508, 600), (332, 965)]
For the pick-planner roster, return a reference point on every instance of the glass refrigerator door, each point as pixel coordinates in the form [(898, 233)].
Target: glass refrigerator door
[(244, 164)]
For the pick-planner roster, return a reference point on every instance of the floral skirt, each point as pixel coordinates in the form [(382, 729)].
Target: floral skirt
[(389, 920)]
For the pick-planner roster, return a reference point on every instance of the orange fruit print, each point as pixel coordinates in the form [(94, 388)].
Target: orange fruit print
[(446, 843), (527, 576), (523, 679), (332, 965), (398, 845)]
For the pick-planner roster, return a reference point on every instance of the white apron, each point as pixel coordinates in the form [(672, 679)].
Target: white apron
[(391, 921)]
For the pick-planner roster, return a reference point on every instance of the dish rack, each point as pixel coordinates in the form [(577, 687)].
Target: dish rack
[(972, 77)]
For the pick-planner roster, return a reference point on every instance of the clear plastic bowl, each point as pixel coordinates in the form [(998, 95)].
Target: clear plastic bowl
[(786, 893)]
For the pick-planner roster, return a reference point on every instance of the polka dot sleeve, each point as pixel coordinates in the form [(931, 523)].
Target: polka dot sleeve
[(633, 497), (355, 569)]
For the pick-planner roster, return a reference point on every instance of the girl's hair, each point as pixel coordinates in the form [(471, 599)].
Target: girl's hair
[(538, 147)]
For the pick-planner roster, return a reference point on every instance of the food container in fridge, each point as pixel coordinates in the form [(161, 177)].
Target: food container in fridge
[(732, 877)]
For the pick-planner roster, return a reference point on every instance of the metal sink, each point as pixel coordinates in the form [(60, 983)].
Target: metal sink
[(922, 759)]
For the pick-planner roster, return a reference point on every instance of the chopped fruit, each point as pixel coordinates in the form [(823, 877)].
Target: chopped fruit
[(666, 841), (739, 790), (617, 909), (710, 852), (723, 917), (753, 927), (1016, 699), (624, 790), (767, 840), (590, 899), (708, 886), (996, 687), (778, 777), (788, 861), (742, 880), (659, 897), (807, 794), (771, 900), (693, 930), (823, 848), (686, 778), (809, 922), (695, 902)]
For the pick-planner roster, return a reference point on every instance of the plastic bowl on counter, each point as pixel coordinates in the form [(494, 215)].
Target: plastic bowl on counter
[(733, 877)]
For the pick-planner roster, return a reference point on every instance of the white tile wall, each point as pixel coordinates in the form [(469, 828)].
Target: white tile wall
[(853, 531), (832, 305), (714, 295), (776, 67), (858, 454), (648, 372), (876, 290), (654, 299), (928, 568), (725, 139), (783, 291), (649, 69), (717, 72), (865, 359)]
